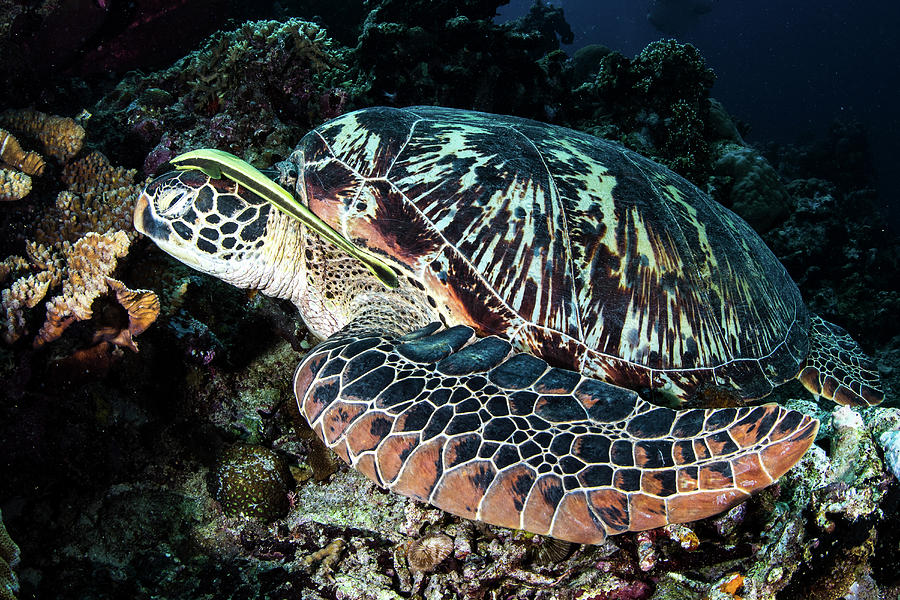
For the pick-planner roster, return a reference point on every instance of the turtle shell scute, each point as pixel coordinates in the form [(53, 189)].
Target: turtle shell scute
[(575, 249)]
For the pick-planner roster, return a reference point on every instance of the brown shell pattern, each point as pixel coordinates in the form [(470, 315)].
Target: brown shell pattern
[(572, 247)]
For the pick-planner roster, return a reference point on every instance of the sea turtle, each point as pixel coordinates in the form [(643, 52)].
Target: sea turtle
[(522, 298)]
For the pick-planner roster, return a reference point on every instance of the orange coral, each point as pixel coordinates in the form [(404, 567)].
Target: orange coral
[(14, 185), (734, 582), (99, 198), (142, 308), (61, 137), (77, 241), (12, 154), (90, 261)]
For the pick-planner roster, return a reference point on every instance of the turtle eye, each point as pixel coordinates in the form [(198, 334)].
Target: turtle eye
[(174, 202)]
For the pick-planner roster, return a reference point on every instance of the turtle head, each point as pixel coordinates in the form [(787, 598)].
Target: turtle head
[(213, 225)]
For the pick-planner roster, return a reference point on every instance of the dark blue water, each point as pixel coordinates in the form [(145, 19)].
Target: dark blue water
[(789, 68)]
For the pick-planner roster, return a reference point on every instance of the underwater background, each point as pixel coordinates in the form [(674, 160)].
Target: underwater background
[(149, 441)]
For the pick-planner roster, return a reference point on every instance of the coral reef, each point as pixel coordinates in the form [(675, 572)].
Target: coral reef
[(745, 182), (16, 184), (70, 52), (9, 559), (452, 53), (251, 481), (253, 91), (12, 154), (89, 262), (836, 248), (135, 512), (61, 137), (76, 243), (656, 103)]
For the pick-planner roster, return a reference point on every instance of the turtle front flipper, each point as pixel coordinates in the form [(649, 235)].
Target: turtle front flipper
[(837, 368), (467, 425)]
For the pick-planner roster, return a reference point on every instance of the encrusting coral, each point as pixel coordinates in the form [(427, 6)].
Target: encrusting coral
[(76, 243), (251, 481), (290, 73)]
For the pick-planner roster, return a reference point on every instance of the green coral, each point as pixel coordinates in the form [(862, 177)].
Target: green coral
[(251, 481), (656, 103)]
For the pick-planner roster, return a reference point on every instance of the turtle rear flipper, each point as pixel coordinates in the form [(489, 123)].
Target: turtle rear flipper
[(837, 368), (479, 431)]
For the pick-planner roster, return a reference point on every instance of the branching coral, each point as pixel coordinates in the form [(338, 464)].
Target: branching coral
[(13, 185), (61, 137), (76, 243), (15, 182), (656, 103), (85, 269), (89, 262)]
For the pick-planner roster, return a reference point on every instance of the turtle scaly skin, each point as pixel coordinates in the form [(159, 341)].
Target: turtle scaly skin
[(551, 286), (505, 439)]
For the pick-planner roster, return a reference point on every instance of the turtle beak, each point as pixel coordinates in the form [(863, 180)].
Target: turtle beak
[(140, 211), (146, 222)]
